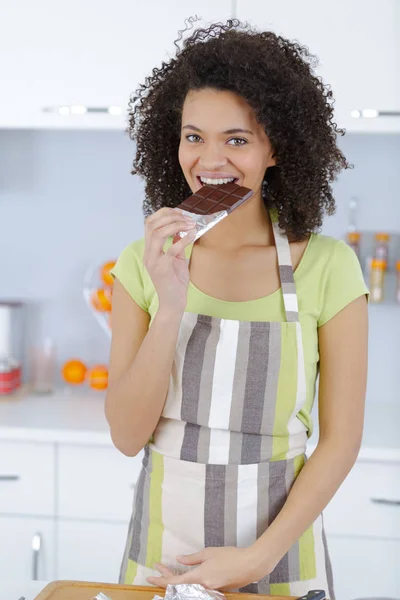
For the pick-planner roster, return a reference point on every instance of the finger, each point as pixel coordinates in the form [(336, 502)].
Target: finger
[(177, 250), (189, 577), (159, 213), (156, 581), (156, 239), (165, 572), (161, 218), (191, 559), (173, 228)]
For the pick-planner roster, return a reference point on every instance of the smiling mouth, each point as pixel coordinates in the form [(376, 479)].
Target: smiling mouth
[(216, 182)]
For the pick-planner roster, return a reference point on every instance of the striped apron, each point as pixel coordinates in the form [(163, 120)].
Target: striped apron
[(228, 448)]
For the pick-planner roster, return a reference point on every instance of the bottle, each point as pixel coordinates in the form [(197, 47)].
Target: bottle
[(353, 240), (377, 277), (398, 282), (382, 246)]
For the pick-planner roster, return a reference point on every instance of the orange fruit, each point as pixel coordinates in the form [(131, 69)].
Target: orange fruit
[(106, 276), (74, 371), (98, 377), (101, 299)]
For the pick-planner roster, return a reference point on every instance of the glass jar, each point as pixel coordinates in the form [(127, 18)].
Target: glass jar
[(377, 279), (382, 246), (42, 362), (353, 240)]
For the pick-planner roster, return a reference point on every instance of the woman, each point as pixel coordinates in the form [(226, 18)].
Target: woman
[(216, 345)]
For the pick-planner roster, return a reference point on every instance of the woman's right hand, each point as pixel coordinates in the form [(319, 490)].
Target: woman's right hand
[(169, 271)]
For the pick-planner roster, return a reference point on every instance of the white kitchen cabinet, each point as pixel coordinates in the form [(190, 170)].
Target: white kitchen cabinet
[(90, 551), (27, 548), (367, 503), (27, 478), (362, 524), (91, 53), (358, 44), (96, 482), (365, 567)]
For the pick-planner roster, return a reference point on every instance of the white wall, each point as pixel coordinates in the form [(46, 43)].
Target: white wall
[(67, 201)]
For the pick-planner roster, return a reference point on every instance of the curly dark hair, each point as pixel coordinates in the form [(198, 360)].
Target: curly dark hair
[(276, 77)]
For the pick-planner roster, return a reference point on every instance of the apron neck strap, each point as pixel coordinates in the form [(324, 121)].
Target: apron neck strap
[(285, 270)]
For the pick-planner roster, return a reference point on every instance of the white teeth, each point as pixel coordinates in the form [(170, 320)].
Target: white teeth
[(209, 181)]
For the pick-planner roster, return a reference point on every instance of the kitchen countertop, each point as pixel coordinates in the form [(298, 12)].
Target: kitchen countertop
[(77, 417), (67, 416)]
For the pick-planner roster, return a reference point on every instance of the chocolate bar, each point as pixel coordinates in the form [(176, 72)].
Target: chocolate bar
[(212, 203)]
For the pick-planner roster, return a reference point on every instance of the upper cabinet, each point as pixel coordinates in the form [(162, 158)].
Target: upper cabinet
[(358, 45), (85, 54), (59, 59)]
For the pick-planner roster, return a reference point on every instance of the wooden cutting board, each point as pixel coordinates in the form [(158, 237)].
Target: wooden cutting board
[(82, 590)]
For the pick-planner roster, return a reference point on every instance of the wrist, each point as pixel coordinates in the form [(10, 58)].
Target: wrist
[(262, 559), (169, 315)]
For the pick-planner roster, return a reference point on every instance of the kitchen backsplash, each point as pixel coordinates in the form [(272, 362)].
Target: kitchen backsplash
[(68, 201)]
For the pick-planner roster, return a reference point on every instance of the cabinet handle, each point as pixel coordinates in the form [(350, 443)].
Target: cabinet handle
[(9, 477), (386, 501), (36, 547)]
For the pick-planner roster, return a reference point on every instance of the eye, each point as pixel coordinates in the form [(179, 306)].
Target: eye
[(237, 141), (193, 138)]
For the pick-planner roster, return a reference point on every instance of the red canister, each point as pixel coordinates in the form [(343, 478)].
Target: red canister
[(10, 376)]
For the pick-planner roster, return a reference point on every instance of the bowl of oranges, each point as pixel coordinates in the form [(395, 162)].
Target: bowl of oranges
[(97, 291)]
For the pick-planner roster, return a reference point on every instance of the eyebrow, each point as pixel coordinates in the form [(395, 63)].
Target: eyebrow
[(228, 131)]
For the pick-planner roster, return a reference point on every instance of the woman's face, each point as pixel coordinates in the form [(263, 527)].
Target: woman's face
[(221, 140)]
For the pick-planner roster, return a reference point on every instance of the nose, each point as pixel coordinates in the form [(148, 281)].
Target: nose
[(212, 157)]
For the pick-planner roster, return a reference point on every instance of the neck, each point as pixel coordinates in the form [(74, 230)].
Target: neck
[(248, 225)]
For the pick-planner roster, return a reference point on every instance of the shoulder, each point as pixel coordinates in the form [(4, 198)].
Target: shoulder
[(129, 270), (134, 250), (327, 248), (333, 275), (325, 254), (333, 255)]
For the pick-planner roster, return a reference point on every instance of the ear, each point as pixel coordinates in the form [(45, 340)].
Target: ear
[(272, 161)]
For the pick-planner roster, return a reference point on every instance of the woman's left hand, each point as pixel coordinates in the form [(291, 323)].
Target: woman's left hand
[(215, 569)]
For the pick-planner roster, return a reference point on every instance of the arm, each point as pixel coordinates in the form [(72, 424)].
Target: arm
[(343, 373), (141, 358), (140, 367)]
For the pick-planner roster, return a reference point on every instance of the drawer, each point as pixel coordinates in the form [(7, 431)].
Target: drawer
[(96, 482), (368, 503), (27, 478)]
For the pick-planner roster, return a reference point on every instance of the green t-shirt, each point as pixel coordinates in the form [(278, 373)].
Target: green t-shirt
[(327, 279)]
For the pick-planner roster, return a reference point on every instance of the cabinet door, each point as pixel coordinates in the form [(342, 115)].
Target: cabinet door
[(358, 46), (26, 549), (90, 550), (85, 53), (27, 481), (368, 502), (96, 482), (365, 567)]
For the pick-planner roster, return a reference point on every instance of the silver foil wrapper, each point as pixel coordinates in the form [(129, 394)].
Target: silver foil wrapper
[(185, 591), (203, 222)]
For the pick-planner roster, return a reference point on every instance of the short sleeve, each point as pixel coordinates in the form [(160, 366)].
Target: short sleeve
[(129, 271), (344, 282)]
